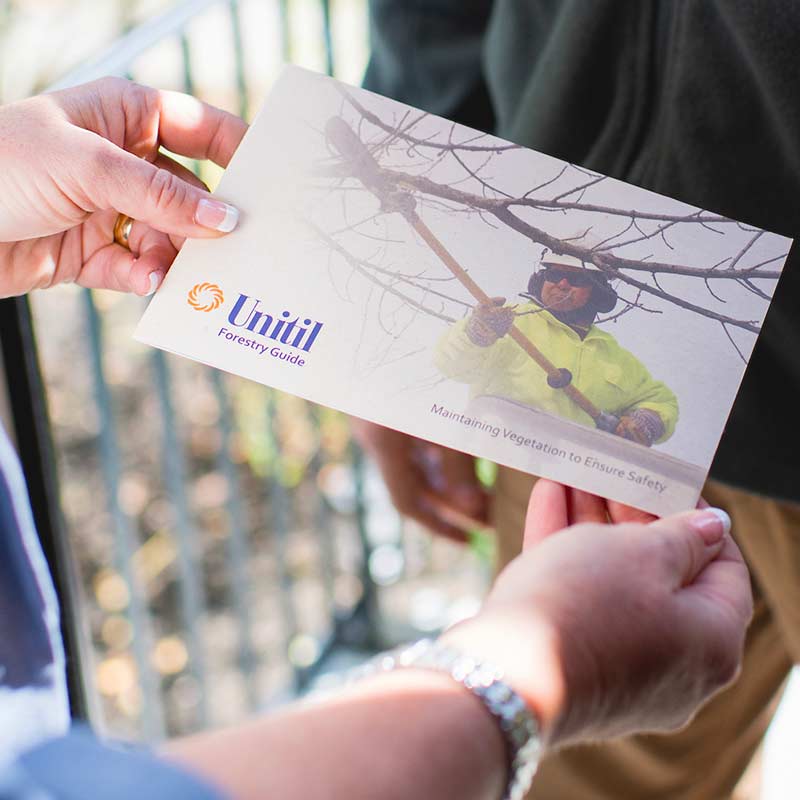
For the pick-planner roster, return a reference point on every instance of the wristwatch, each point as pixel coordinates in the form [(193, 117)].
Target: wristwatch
[(517, 722)]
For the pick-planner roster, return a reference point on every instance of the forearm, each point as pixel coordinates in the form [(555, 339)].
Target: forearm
[(407, 734)]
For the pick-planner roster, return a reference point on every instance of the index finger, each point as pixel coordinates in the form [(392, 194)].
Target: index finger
[(585, 507), (619, 512), (548, 512), (194, 129)]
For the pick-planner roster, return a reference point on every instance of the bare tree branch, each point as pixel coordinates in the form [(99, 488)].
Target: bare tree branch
[(367, 269), (403, 176), (378, 122)]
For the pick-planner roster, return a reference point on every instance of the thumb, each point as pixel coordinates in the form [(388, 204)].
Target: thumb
[(689, 542), (154, 195)]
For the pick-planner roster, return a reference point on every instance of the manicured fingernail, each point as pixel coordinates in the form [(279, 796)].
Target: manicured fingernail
[(216, 215), (712, 524), (154, 279)]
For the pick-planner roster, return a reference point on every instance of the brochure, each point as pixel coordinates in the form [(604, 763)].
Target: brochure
[(444, 282)]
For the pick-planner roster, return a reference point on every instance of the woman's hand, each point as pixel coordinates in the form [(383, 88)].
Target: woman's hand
[(612, 629), (71, 161)]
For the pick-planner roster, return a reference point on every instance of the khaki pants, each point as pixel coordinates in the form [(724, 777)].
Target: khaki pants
[(705, 760)]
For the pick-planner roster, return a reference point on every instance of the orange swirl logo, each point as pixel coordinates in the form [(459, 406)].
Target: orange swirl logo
[(205, 297)]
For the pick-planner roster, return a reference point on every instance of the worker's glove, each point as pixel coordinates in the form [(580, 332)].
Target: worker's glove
[(642, 425), (490, 322)]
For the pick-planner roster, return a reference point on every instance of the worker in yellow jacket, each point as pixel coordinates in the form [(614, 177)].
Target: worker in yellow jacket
[(565, 300)]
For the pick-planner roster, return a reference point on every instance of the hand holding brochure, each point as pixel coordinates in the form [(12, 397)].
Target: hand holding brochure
[(452, 285)]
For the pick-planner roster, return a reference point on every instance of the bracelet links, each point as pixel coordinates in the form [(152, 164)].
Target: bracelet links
[(518, 724)]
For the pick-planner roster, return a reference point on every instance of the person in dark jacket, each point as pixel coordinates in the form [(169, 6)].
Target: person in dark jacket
[(699, 101)]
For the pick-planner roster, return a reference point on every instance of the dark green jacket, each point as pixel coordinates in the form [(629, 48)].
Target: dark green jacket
[(696, 99)]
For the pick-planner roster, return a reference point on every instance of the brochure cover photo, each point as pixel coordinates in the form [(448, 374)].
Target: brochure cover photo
[(437, 280)]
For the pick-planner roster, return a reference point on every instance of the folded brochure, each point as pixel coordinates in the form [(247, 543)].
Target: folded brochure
[(452, 285)]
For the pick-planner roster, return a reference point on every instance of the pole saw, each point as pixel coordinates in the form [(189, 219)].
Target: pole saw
[(392, 198)]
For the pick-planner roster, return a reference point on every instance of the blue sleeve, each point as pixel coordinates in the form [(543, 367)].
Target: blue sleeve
[(33, 690), (80, 767)]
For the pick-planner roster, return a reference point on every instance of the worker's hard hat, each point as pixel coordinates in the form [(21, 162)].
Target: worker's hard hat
[(604, 297)]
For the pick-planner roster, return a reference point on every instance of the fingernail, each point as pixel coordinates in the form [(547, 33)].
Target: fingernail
[(216, 215), (154, 279), (712, 524)]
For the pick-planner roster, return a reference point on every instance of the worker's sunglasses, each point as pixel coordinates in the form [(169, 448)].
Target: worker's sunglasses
[(579, 280)]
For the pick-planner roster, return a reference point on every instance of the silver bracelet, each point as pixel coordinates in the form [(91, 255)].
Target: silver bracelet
[(518, 724)]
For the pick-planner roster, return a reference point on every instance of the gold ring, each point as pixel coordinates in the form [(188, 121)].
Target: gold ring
[(122, 230)]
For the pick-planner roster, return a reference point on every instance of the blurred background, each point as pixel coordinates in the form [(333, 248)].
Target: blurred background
[(230, 545)]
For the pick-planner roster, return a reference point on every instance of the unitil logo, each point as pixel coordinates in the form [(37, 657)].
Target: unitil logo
[(205, 297)]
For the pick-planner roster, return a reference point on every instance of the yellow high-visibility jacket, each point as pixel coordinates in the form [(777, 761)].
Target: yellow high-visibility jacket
[(608, 374)]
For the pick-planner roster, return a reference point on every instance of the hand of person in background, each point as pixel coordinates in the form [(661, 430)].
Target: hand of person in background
[(427, 482), (72, 161), (608, 630), (438, 487)]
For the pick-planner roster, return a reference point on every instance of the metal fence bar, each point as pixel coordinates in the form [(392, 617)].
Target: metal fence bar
[(191, 590), (238, 549), (322, 518), (360, 628), (33, 436), (124, 538), (367, 612), (279, 508), (238, 54), (286, 39), (186, 63), (328, 39)]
